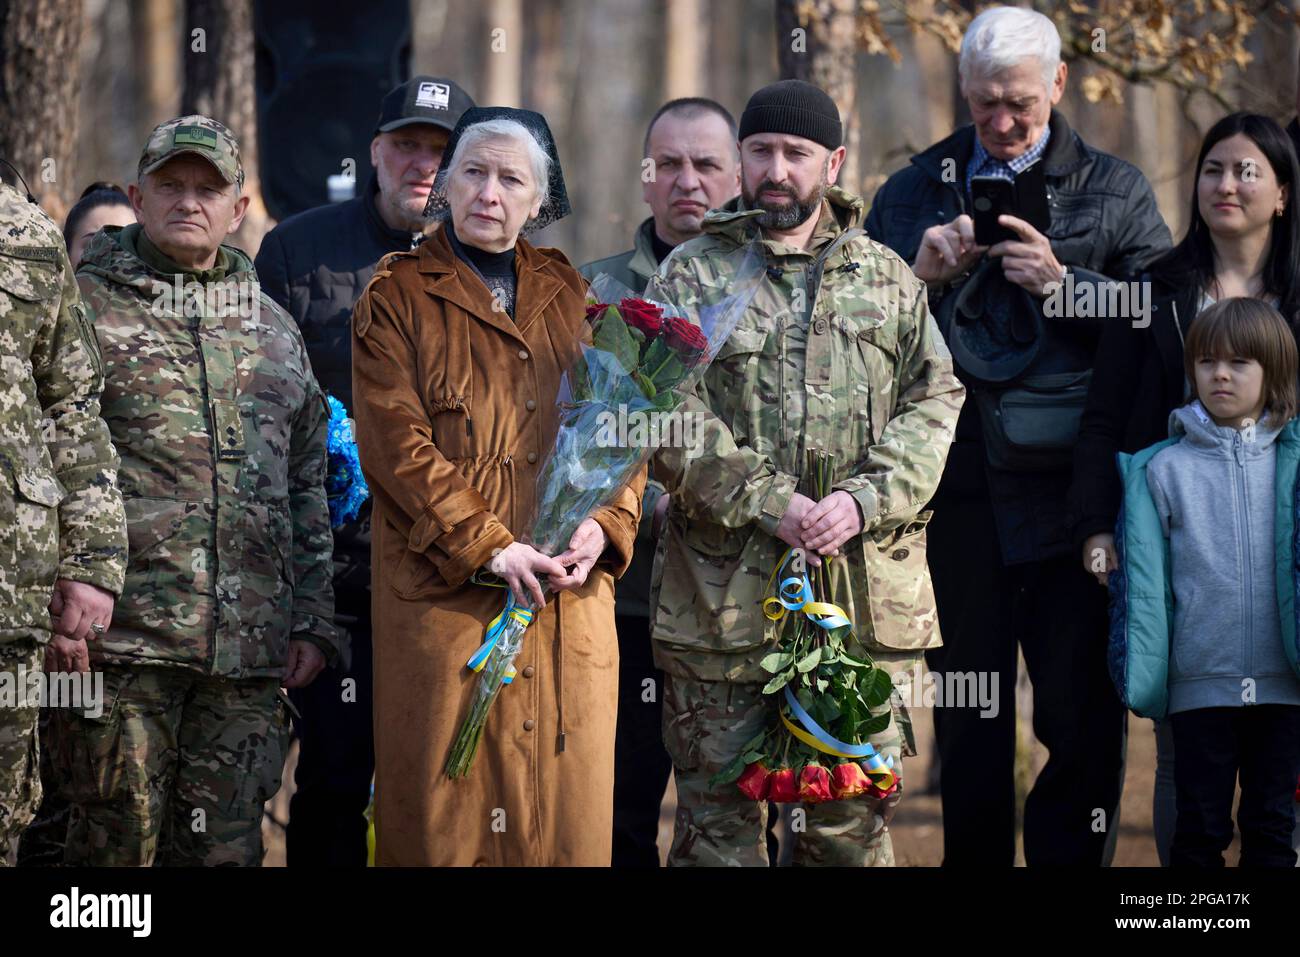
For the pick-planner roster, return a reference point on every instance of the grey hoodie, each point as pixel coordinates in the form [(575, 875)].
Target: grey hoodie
[(1214, 493)]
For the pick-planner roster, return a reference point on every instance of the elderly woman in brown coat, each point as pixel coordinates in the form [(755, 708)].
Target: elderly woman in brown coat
[(458, 349)]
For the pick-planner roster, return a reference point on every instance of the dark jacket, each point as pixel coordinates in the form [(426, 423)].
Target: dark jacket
[(1104, 223), (1137, 380), (633, 269), (315, 265)]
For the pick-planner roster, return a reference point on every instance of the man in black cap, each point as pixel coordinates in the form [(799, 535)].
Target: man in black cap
[(315, 265), (836, 353)]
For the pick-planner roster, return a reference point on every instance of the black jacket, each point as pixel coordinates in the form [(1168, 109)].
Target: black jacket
[(315, 265), (1104, 223), (1137, 380)]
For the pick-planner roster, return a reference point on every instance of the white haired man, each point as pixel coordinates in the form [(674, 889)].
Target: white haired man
[(1003, 553)]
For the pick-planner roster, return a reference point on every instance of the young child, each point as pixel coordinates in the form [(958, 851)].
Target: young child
[(1203, 614)]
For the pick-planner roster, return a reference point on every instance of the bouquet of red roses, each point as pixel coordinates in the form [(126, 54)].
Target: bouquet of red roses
[(616, 405), (829, 702)]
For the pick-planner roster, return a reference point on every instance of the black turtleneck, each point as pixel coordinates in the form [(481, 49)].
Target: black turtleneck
[(497, 270), (661, 248)]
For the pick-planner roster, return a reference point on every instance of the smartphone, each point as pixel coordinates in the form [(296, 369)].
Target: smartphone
[(1025, 197), (991, 197)]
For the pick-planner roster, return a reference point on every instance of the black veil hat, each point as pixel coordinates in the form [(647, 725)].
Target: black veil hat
[(555, 205)]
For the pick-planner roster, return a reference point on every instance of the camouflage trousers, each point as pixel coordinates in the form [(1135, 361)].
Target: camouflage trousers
[(705, 725), (42, 843), (175, 771), (20, 783)]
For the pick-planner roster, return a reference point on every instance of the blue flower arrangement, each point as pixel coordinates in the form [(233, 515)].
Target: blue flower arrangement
[(345, 485)]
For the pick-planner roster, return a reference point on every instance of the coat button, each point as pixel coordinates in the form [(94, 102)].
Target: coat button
[(523, 353), (532, 456), (528, 671), (528, 725), (530, 405), (865, 335), (900, 554), (819, 327)]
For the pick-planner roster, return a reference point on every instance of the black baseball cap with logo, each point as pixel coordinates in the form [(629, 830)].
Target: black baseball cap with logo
[(423, 99)]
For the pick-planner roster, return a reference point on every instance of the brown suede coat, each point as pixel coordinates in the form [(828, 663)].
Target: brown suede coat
[(454, 415)]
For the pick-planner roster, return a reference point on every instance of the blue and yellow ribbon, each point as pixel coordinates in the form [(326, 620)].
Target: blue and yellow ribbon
[(879, 769), (796, 594), (495, 629)]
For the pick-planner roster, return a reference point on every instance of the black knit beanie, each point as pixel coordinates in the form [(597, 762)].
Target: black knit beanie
[(795, 108)]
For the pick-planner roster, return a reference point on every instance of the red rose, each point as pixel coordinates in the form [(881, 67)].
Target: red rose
[(753, 782), (874, 790), (815, 784), (848, 781), (642, 315), (783, 788), (595, 310), (685, 339)]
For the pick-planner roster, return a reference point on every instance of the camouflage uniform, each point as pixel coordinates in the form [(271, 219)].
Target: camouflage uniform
[(861, 372), (222, 431), (60, 512)]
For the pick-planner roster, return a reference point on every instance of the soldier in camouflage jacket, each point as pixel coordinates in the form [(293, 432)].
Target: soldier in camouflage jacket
[(222, 431), (62, 534), (853, 365)]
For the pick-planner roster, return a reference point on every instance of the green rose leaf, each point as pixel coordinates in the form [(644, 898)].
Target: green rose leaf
[(876, 687), (809, 661), (614, 337), (777, 662), (779, 682), (875, 725), (730, 773)]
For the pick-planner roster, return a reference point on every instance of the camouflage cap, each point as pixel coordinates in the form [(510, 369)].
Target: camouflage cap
[(195, 134)]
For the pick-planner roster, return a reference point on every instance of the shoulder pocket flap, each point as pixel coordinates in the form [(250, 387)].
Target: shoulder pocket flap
[(871, 329), (27, 279), (742, 341), (39, 486)]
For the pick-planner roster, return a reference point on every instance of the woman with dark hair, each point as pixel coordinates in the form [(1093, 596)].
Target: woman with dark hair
[(1243, 240), (100, 204)]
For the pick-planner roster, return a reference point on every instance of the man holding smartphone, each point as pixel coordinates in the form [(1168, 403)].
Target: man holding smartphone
[(1004, 569)]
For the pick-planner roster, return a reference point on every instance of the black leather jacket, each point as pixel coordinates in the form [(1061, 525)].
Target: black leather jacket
[(315, 265), (1104, 223)]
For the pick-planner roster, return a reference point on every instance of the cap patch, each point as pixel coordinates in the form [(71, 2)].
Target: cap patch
[(194, 136), (434, 95)]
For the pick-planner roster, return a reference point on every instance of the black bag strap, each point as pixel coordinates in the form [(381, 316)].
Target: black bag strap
[(819, 264)]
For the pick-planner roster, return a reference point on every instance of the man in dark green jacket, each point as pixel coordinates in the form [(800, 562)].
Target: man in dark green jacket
[(691, 165)]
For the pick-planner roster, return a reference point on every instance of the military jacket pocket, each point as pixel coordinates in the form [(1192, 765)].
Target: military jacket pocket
[(266, 586), (31, 280), (167, 575), (706, 598), (29, 524), (26, 285), (899, 591), (733, 378)]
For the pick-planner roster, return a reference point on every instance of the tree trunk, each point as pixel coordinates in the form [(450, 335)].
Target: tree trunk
[(684, 50), (824, 53), (505, 57), (154, 26), (39, 78), (219, 83)]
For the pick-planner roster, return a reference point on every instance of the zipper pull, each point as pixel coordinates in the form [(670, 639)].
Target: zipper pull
[(469, 425)]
